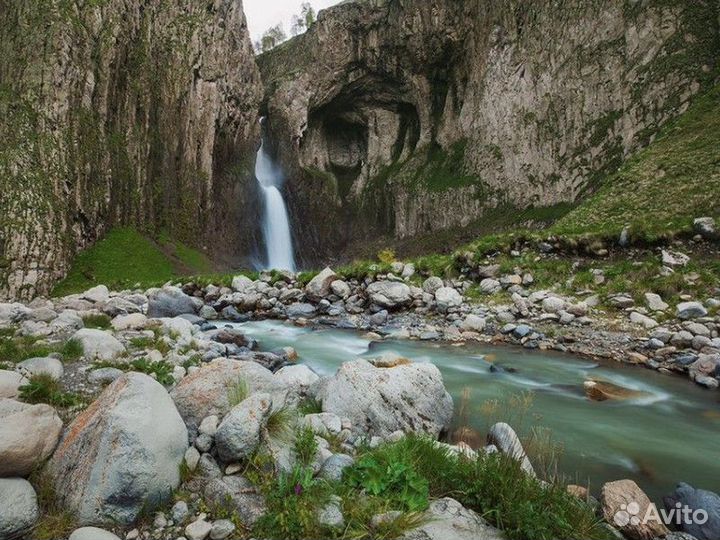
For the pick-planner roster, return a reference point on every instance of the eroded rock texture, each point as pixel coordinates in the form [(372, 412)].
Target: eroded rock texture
[(406, 118), (122, 112)]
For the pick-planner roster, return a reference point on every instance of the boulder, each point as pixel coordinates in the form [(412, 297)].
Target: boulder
[(655, 302), (448, 519), (490, 286), (243, 284), (473, 323), (335, 466), (340, 288), (239, 494), (133, 321), (319, 286), (18, 508), (380, 401), (705, 227), (604, 391), (300, 310), (238, 435), (504, 438), (96, 295), (169, 302), (697, 499), (10, 383), (120, 454), (553, 304), (206, 392), (28, 436), (42, 366), (643, 320), (623, 505), (92, 533), (691, 310), (389, 294), (98, 344), (432, 284), (447, 298), (674, 258)]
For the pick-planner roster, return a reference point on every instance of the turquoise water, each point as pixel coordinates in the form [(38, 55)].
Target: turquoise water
[(671, 434)]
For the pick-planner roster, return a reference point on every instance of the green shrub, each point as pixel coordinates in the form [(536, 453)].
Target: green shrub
[(99, 321), (305, 446), (43, 388), (162, 370), (386, 256)]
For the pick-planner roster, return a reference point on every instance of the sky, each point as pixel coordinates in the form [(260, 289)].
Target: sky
[(262, 14)]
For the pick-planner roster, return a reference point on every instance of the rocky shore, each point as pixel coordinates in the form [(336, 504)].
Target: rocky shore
[(129, 396)]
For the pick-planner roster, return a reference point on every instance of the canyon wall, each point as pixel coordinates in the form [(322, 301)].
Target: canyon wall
[(123, 112), (399, 118)]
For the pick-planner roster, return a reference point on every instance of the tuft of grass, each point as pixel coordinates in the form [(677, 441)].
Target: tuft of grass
[(42, 388), (280, 424), (305, 446), (72, 350), (309, 405), (237, 391), (161, 370), (99, 321), (17, 349), (55, 520)]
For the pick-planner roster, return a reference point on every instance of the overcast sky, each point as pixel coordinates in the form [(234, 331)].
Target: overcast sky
[(262, 14)]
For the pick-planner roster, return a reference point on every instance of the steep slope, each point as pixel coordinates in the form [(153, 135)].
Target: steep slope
[(396, 119), (122, 112)]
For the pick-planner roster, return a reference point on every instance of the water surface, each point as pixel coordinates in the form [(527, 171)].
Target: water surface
[(671, 434)]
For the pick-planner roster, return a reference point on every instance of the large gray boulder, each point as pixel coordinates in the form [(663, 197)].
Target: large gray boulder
[(169, 302), (380, 401), (447, 518), (697, 499), (42, 366), (447, 298), (120, 454), (389, 294), (28, 436), (207, 391), (18, 508), (98, 344), (238, 435), (320, 286)]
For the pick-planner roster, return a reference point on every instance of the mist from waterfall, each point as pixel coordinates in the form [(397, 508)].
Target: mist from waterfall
[(279, 253)]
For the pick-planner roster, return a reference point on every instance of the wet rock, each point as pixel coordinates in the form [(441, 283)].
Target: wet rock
[(620, 502), (18, 508), (697, 499), (169, 302), (125, 449), (448, 519), (604, 391), (504, 438), (28, 436), (381, 401)]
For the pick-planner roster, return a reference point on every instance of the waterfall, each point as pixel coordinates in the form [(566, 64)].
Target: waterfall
[(275, 222)]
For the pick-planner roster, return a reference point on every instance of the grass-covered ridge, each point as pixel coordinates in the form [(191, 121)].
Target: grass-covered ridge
[(125, 257), (663, 187)]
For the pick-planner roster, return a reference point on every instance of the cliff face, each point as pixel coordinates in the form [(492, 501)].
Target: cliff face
[(139, 112), (406, 117)]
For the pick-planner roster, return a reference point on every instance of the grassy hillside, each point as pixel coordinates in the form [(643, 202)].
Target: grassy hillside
[(664, 187), (125, 257)]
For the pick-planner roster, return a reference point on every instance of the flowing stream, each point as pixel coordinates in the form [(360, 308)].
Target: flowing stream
[(276, 224), (672, 434)]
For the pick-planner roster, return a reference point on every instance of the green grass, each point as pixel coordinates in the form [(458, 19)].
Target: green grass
[(665, 186), (17, 349), (237, 391), (42, 388), (125, 257), (98, 321), (162, 370)]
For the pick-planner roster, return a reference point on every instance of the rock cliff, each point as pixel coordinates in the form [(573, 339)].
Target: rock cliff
[(398, 118), (123, 112)]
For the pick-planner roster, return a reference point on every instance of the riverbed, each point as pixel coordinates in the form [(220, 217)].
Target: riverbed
[(670, 434)]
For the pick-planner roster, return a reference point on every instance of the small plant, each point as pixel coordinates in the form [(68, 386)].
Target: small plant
[(392, 476), (386, 256), (293, 500), (162, 370), (305, 446), (99, 321), (309, 405), (72, 350), (43, 388), (279, 424), (237, 391)]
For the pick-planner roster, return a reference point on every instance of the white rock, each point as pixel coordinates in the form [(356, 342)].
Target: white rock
[(447, 298), (18, 508), (92, 533), (199, 529), (99, 344), (239, 433), (473, 323), (655, 302), (644, 320), (10, 383), (97, 295), (42, 366), (243, 284), (319, 286), (133, 321)]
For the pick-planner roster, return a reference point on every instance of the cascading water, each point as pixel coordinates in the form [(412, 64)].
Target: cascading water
[(275, 225)]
